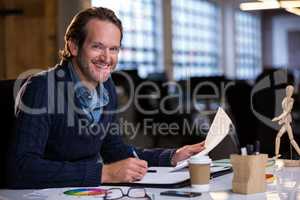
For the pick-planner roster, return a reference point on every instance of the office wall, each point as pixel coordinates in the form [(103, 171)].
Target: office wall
[(31, 40), (275, 37), (228, 37), (66, 10), (2, 58), (27, 39), (281, 26), (267, 47)]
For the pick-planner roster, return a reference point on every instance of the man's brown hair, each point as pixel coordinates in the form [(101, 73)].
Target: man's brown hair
[(76, 30)]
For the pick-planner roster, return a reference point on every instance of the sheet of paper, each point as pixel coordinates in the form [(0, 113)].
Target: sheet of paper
[(217, 132), (163, 176)]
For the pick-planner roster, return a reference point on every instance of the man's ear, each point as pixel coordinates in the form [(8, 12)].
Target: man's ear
[(73, 48)]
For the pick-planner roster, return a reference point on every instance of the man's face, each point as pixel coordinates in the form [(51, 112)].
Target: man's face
[(98, 56)]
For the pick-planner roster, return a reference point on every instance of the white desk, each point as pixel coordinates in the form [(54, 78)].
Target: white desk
[(286, 186)]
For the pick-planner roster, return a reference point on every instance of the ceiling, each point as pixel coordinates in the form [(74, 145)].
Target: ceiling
[(292, 6)]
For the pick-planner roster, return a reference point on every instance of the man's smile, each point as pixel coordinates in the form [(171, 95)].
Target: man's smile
[(101, 65)]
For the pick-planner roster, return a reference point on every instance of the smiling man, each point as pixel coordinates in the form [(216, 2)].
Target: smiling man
[(98, 56), (51, 149)]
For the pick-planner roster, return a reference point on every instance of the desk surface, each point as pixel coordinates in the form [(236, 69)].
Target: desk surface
[(285, 186)]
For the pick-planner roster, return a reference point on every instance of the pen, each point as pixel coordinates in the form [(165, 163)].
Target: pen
[(134, 153), (137, 157), (151, 171), (257, 147), (250, 149)]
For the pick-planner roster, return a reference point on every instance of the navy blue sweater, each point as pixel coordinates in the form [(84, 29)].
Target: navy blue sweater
[(53, 148)]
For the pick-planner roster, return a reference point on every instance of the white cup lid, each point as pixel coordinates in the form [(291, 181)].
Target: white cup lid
[(201, 188), (199, 160)]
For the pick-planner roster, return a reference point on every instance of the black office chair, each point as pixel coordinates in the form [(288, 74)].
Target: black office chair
[(7, 118), (238, 100)]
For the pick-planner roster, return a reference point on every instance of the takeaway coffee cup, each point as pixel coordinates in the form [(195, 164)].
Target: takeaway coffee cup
[(199, 168)]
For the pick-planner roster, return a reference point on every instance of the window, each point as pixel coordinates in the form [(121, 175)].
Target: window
[(195, 38), (140, 43), (248, 45)]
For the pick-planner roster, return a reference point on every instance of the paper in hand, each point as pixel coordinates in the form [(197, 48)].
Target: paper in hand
[(217, 132)]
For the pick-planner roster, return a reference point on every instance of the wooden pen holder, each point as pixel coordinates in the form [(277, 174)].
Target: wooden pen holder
[(248, 173)]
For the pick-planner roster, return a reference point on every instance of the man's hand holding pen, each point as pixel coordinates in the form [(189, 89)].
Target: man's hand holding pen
[(128, 170), (134, 169)]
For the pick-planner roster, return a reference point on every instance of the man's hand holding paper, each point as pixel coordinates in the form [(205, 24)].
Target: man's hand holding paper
[(187, 151), (217, 132)]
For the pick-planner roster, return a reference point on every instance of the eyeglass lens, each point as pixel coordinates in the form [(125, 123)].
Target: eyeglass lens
[(117, 193)]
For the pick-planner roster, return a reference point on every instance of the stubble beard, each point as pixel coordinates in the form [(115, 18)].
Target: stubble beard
[(86, 71)]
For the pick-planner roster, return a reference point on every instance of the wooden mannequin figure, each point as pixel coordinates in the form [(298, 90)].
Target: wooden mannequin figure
[(284, 120)]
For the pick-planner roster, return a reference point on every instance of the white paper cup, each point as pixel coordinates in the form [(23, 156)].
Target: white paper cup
[(199, 168)]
